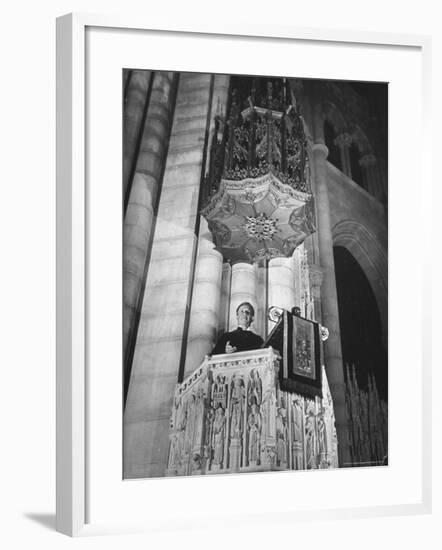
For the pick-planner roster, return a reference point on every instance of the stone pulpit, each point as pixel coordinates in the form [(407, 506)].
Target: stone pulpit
[(230, 415)]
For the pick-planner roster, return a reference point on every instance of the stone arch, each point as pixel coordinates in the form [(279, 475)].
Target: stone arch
[(372, 258), (334, 125), (334, 116), (360, 139), (340, 124)]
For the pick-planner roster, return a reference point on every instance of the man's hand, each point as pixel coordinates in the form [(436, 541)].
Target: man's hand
[(229, 348)]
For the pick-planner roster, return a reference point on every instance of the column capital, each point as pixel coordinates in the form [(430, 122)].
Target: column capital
[(367, 160), (343, 140), (320, 149)]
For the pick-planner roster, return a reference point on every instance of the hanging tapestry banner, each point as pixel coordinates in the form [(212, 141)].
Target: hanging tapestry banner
[(297, 340)]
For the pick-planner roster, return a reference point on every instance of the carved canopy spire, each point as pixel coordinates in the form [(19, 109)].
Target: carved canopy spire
[(259, 174)]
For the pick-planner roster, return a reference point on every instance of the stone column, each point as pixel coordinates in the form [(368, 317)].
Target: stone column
[(165, 305), (343, 141), (281, 284), (206, 292), (261, 322), (371, 183), (243, 289), (142, 200), (134, 109), (311, 243), (299, 278), (205, 301), (224, 310), (315, 275), (329, 299)]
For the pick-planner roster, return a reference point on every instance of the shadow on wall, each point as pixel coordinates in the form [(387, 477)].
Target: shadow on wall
[(45, 520)]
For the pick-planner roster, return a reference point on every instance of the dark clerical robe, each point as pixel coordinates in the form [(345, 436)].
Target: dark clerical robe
[(242, 340)]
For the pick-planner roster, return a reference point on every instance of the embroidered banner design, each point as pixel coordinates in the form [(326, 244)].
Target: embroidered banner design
[(297, 340)]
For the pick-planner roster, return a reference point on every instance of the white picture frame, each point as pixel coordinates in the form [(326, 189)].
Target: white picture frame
[(79, 494)]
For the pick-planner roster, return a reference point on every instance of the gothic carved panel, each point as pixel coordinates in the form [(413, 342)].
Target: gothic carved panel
[(231, 416)]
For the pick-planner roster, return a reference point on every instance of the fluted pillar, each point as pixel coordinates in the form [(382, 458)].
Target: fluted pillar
[(164, 313), (281, 281), (243, 289), (343, 141), (205, 301), (329, 300), (224, 309), (261, 321), (134, 108), (206, 291), (369, 174), (142, 200), (315, 276)]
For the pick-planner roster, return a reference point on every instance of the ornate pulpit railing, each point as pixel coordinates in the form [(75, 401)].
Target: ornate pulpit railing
[(230, 415)]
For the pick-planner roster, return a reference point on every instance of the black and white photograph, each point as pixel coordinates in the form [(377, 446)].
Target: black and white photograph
[(255, 273), (221, 238)]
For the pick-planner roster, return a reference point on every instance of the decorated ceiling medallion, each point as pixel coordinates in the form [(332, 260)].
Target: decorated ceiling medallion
[(260, 227), (257, 194), (270, 227)]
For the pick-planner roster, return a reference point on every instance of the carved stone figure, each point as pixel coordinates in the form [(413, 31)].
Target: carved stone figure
[(253, 440), (208, 433), (310, 443), (179, 437), (254, 388), (260, 426), (181, 416), (218, 436), (269, 406), (219, 392), (322, 435), (297, 419), (281, 437), (199, 419), (236, 401), (190, 415), (254, 424), (323, 441), (174, 453)]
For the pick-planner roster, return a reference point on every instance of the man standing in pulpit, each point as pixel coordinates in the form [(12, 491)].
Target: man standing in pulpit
[(241, 339)]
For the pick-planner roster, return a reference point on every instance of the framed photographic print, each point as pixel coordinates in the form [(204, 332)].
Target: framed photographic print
[(232, 233)]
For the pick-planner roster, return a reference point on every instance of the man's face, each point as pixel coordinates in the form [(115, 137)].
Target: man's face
[(244, 316)]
